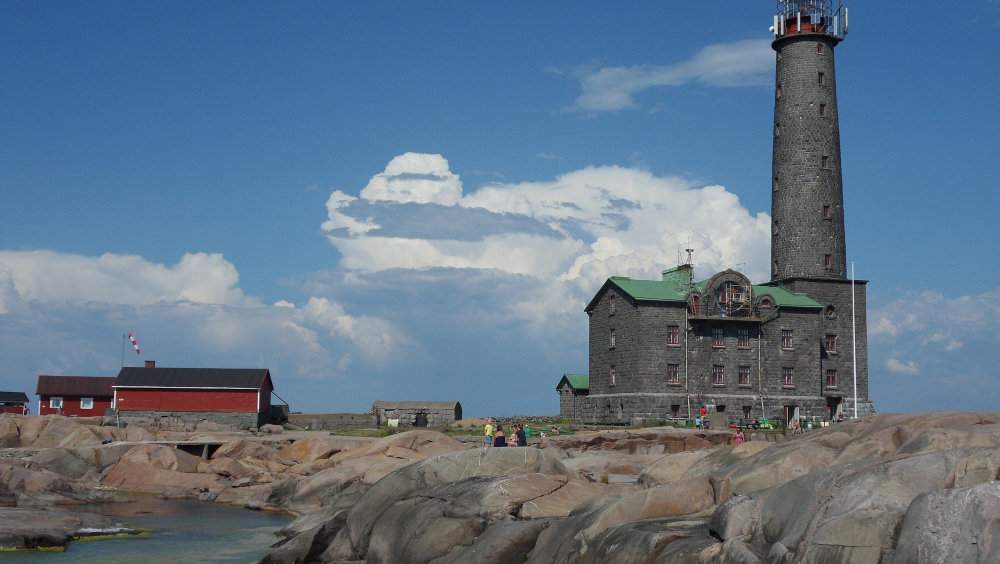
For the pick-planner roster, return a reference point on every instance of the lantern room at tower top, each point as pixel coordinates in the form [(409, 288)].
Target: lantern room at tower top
[(810, 16)]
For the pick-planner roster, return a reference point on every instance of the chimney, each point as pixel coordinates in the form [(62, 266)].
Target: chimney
[(150, 364)]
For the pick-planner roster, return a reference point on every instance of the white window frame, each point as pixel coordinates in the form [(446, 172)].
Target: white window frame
[(55, 402), (85, 401)]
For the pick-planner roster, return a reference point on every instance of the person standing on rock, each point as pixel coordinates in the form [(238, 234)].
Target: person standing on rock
[(704, 410), (738, 438), (489, 432)]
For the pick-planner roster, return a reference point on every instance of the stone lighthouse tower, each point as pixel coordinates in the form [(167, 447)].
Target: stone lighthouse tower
[(807, 203), (808, 248)]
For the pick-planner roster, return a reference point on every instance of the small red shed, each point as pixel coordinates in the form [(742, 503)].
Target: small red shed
[(237, 396), (82, 396), (14, 402)]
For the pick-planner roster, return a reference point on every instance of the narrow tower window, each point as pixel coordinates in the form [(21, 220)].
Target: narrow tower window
[(822, 78), (831, 343), (777, 130), (774, 185), (777, 91), (774, 228), (822, 110), (827, 213), (612, 305), (611, 345), (826, 161), (828, 261), (819, 48), (612, 375)]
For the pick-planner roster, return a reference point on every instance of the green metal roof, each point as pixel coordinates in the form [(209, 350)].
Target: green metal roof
[(578, 381), (784, 298), (672, 291)]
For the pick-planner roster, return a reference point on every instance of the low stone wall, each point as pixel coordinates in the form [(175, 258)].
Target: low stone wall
[(176, 418), (333, 421), (526, 419)]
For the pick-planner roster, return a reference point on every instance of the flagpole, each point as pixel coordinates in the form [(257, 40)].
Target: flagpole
[(123, 350), (854, 343)]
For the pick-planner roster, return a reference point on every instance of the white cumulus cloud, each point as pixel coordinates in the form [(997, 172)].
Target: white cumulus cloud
[(415, 177), (571, 233), (49, 276)]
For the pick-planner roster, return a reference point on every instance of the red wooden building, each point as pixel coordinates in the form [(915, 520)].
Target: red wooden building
[(14, 402), (237, 396), (81, 396)]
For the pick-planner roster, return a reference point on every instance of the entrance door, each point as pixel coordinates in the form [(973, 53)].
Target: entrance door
[(791, 414), (833, 406), (421, 420)]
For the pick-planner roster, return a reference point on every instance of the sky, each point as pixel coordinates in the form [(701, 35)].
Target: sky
[(388, 200)]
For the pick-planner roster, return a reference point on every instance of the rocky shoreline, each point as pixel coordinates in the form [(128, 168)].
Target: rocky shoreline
[(883, 489)]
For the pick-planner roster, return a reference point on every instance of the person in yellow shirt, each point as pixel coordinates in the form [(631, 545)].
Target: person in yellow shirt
[(489, 432)]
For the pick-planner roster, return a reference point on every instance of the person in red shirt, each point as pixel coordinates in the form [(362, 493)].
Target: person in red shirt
[(704, 410)]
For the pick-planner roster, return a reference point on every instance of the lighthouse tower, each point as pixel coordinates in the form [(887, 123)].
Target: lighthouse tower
[(808, 249), (807, 200)]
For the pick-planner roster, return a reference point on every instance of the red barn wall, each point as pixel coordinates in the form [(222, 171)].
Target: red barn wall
[(18, 409), (71, 406), (174, 399)]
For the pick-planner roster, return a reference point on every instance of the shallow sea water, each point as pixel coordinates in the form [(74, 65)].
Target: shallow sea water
[(181, 531)]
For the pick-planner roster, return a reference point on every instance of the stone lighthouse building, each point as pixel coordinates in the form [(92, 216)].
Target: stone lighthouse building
[(785, 348)]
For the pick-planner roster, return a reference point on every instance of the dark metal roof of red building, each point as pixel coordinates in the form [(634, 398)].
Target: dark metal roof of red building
[(13, 397), (231, 378), (84, 386)]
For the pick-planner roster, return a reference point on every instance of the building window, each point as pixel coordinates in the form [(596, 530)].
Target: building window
[(828, 261), (612, 301), (777, 90), (831, 378), (819, 48), (787, 340), (746, 411), (673, 374), (612, 343), (86, 403), (765, 304), (774, 228), (612, 375), (827, 212), (744, 375), (787, 377), (831, 312), (831, 343), (743, 337), (826, 161), (774, 185), (822, 110), (777, 130), (673, 335), (822, 78), (718, 375), (718, 337), (675, 410), (55, 403)]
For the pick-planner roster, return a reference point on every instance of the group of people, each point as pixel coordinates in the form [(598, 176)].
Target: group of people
[(495, 436)]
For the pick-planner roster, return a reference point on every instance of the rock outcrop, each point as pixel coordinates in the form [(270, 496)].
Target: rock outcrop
[(22, 529)]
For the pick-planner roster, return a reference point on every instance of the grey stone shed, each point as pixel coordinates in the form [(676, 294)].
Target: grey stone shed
[(417, 413)]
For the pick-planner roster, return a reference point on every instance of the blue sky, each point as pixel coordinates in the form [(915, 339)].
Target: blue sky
[(438, 188)]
